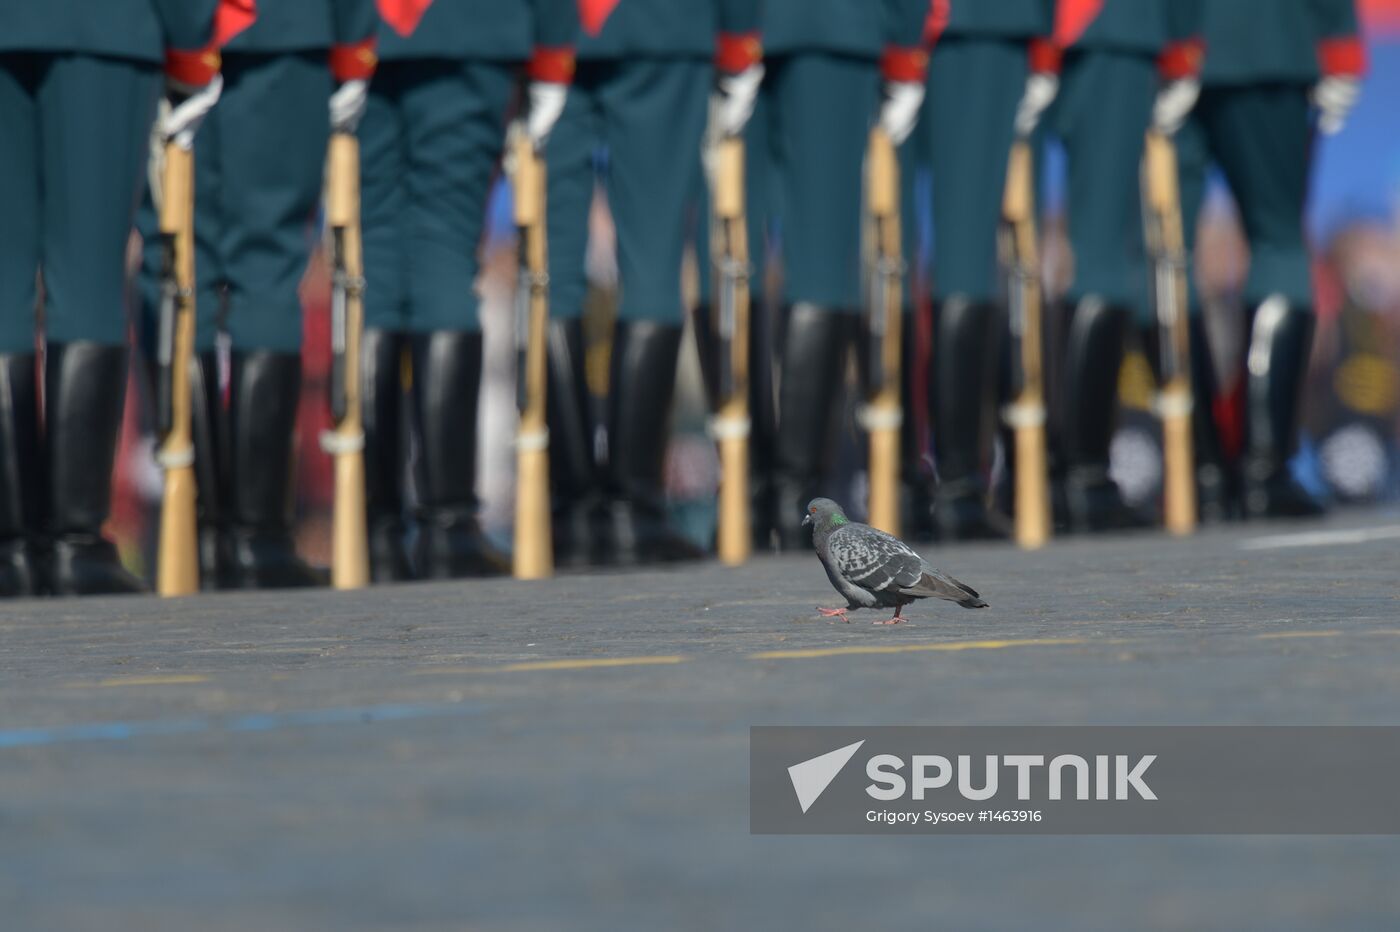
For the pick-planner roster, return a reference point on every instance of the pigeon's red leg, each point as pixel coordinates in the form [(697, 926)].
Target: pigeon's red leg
[(892, 621), (835, 613)]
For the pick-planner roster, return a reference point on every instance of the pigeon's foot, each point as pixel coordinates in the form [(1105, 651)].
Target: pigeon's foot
[(835, 613), (889, 621)]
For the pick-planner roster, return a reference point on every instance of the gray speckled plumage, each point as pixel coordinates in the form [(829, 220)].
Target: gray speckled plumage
[(874, 569)]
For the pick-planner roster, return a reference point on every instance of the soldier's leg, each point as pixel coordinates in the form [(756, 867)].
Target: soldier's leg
[(825, 104), (383, 202), (271, 104), (454, 114), (21, 469), (94, 115), (916, 474), (1214, 481), (653, 119), (1262, 137), (575, 480), (974, 86), (1101, 114)]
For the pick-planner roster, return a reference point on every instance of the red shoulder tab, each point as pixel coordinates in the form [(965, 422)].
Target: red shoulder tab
[(231, 18), (403, 16)]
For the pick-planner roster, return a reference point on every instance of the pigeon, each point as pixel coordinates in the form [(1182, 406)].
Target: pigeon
[(871, 568)]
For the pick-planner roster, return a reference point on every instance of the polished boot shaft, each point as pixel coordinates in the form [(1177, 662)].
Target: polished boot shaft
[(446, 386), (381, 405), (84, 388), (1094, 346), (813, 349), (21, 475), (1279, 344), (575, 480), (963, 387), (640, 390), (264, 391), (209, 428)]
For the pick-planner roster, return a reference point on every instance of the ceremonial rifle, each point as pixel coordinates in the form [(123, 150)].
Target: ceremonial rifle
[(1166, 248), (534, 547), (1026, 413), (882, 415), (346, 442), (177, 567), (731, 424)]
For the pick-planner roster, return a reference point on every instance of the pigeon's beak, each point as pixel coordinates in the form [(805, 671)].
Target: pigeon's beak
[(806, 520)]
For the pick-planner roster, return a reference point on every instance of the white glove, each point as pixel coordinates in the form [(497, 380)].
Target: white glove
[(1041, 88), (734, 99), (1334, 96), (900, 110), (1174, 103), (179, 122), (348, 105), (545, 104)]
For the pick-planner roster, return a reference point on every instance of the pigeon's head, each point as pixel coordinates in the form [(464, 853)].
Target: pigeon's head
[(823, 510)]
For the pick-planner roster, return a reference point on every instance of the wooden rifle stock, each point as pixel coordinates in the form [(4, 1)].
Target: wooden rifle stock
[(882, 414), (1026, 413), (349, 530), (177, 567), (1167, 248), (534, 548), (731, 424)]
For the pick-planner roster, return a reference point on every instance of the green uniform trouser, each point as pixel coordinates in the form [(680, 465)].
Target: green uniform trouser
[(258, 160), (430, 142), (1260, 136), (1101, 114), (965, 134), (649, 115), (805, 150), (72, 149)]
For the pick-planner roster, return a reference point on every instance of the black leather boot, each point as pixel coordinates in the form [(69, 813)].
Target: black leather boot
[(209, 427), (381, 403), (84, 386), (1093, 358), (264, 388), (1217, 493), (446, 384), (21, 474), (962, 389), (643, 380), (1217, 484), (815, 341), (762, 408), (916, 474), (1280, 339), (574, 477)]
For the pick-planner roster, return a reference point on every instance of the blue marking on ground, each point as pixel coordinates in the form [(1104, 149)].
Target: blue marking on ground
[(255, 722)]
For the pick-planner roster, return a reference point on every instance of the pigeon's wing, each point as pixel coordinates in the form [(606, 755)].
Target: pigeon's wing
[(874, 560), (936, 585)]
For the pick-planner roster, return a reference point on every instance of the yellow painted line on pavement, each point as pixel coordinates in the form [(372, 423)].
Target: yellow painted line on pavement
[(805, 654), (589, 663), (1274, 635), (1278, 635), (171, 679)]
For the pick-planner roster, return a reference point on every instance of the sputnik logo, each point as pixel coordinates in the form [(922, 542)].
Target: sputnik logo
[(811, 777)]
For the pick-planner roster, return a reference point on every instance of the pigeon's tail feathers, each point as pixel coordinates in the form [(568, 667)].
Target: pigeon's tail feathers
[(933, 584)]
